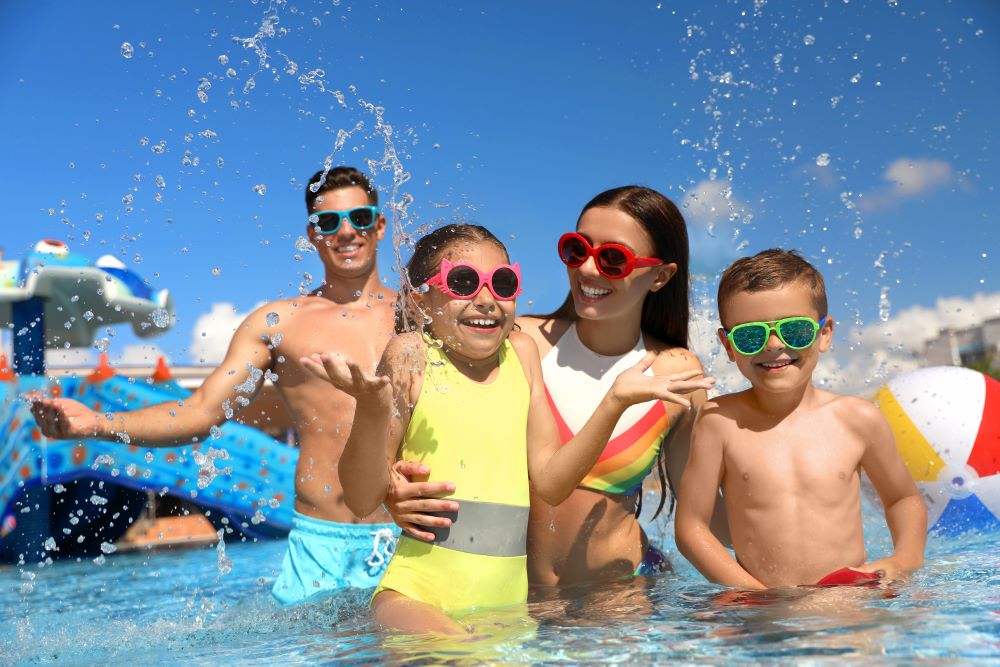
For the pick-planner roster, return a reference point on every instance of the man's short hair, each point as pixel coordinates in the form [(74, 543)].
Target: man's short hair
[(771, 269), (334, 179)]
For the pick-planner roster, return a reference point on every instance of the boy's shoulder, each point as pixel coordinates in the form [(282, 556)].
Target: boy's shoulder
[(723, 408), (855, 412)]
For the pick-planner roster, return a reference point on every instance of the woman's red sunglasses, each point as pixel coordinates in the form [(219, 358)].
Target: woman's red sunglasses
[(612, 260)]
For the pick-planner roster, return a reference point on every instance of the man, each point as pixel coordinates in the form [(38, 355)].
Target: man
[(351, 313)]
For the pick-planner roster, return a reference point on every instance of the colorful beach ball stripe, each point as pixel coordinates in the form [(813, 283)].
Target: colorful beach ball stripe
[(946, 421)]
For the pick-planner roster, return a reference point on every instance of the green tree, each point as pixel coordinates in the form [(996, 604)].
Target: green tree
[(987, 366)]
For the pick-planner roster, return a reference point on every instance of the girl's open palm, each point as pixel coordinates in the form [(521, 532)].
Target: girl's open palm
[(346, 375), (634, 386)]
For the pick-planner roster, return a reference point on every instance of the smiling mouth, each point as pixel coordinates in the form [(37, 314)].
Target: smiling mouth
[(482, 323), (777, 365), (594, 292), (347, 249)]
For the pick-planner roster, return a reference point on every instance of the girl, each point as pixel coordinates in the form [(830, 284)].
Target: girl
[(465, 397), (627, 264)]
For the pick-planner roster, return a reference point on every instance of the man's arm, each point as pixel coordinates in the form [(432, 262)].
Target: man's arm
[(226, 391), (905, 512), (696, 501)]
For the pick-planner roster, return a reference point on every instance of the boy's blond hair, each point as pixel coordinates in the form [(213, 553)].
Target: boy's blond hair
[(767, 270)]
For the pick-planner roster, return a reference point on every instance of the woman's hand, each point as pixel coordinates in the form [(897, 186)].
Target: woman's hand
[(634, 386)]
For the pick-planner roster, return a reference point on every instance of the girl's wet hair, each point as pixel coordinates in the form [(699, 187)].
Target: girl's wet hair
[(665, 313), (426, 261)]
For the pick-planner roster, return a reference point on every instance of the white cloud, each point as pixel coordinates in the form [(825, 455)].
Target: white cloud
[(863, 358), (714, 214), (213, 331), (907, 179)]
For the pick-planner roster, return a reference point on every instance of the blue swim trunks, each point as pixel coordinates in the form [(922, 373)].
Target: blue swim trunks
[(324, 556)]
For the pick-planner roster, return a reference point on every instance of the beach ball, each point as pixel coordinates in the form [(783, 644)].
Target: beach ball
[(946, 421)]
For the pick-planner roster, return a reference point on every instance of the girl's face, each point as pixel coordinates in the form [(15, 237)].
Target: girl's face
[(473, 329), (597, 297)]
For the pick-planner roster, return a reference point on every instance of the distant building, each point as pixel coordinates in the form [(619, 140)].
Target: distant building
[(961, 347)]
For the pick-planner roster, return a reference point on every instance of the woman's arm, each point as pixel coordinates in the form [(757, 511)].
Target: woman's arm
[(555, 470)]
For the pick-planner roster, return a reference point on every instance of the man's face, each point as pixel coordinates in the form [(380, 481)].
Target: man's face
[(348, 252), (776, 367)]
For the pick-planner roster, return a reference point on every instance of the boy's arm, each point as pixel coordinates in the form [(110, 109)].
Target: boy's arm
[(224, 392), (696, 501), (905, 512), (555, 470), (380, 417), (677, 446)]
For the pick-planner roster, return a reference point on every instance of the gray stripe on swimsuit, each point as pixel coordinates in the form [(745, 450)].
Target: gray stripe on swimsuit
[(487, 529)]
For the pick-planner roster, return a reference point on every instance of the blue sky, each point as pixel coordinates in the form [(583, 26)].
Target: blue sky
[(861, 133)]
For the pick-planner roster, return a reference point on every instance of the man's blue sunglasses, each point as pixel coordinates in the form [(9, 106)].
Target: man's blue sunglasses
[(328, 222)]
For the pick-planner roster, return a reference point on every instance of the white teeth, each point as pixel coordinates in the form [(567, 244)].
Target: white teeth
[(593, 292), (775, 364), (482, 323), (347, 248)]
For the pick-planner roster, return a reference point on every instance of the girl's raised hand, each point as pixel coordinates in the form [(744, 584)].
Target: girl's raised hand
[(347, 376), (634, 386)]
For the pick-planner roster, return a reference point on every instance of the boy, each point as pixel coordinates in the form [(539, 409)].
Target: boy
[(786, 454)]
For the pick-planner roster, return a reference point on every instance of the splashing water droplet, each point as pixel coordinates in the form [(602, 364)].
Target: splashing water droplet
[(823, 160), (127, 50), (216, 271), (225, 564), (884, 305), (161, 318), (271, 319), (808, 40), (260, 189)]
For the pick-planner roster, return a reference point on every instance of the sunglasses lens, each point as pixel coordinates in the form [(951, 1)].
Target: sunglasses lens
[(362, 218), (798, 333), (505, 283), (328, 221), (613, 262), (463, 281), (573, 252), (749, 339)]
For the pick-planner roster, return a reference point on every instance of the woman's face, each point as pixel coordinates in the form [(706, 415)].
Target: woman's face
[(597, 297)]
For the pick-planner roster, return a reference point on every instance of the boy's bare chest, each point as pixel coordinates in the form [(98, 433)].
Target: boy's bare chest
[(817, 458)]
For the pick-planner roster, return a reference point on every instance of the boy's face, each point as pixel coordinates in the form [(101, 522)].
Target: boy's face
[(776, 367)]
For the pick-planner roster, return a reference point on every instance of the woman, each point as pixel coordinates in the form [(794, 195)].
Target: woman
[(627, 264)]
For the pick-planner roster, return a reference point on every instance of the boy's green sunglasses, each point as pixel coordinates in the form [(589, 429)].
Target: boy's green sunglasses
[(797, 333)]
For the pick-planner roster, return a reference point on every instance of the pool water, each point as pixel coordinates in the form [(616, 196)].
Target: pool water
[(203, 606)]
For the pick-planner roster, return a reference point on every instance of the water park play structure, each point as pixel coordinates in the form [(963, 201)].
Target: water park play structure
[(64, 498)]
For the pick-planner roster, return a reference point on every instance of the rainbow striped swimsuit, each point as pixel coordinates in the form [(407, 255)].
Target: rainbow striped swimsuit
[(576, 379)]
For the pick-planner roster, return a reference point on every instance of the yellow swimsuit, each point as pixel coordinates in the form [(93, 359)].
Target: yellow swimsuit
[(474, 435)]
